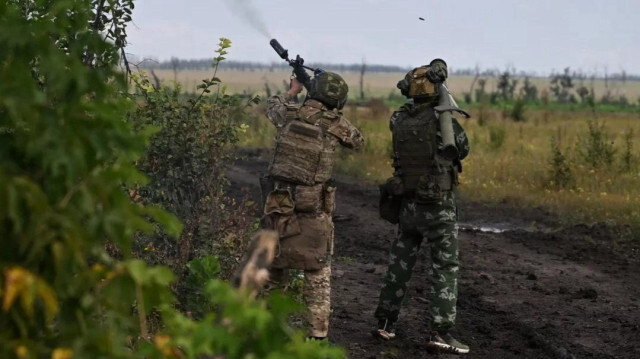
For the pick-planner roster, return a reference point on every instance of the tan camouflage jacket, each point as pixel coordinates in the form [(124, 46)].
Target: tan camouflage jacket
[(280, 111)]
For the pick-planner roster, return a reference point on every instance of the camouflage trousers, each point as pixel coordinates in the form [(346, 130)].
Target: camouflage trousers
[(316, 293), (437, 224)]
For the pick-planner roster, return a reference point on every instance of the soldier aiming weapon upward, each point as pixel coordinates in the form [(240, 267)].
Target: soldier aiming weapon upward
[(298, 193)]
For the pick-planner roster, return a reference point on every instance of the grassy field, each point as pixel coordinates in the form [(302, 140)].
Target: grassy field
[(375, 84), (512, 161), (509, 161)]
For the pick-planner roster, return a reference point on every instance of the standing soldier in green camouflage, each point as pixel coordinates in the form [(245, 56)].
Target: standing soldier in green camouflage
[(298, 194), (424, 190)]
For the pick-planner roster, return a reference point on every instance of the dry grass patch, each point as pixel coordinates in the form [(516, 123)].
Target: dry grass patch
[(512, 161)]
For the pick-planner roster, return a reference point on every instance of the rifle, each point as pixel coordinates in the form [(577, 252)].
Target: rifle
[(297, 64)]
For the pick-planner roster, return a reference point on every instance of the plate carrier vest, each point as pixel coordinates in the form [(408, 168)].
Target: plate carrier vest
[(415, 145), (305, 148)]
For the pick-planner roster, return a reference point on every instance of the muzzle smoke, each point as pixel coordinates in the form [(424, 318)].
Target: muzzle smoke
[(246, 11)]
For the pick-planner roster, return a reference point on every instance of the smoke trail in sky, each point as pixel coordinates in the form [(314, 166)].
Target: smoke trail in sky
[(246, 11)]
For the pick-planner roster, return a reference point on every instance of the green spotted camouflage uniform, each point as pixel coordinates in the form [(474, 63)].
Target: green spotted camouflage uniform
[(312, 217), (433, 220)]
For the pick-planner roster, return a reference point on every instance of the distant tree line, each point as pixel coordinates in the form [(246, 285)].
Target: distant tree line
[(514, 93), (564, 87), (202, 64)]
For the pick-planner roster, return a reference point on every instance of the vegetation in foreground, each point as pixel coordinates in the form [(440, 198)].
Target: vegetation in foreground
[(94, 253)]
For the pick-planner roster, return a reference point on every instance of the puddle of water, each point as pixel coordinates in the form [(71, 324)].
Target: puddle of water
[(497, 228), (481, 229)]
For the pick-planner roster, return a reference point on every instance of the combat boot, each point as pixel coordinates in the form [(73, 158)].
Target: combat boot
[(385, 330), (446, 343)]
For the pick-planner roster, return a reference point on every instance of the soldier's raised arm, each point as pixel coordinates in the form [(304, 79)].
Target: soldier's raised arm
[(350, 136), (277, 105)]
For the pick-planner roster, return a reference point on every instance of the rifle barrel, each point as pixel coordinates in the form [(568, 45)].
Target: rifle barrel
[(282, 52)]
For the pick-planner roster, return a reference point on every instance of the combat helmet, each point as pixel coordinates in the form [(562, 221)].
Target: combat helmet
[(422, 83), (329, 88)]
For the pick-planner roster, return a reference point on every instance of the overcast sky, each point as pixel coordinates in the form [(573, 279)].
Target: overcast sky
[(530, 35)]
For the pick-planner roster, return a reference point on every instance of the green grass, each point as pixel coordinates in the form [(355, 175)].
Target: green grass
[(518, 168), (509, 161)]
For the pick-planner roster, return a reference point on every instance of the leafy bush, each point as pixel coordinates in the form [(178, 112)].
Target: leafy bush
[(483, 111), (241, 328), (506, 86), (66, 172), (497, 136), (609, 99), (377, 108), (481, 93), (628, 157), (596, 147), (529, 91), (63, 159), (518, 110), (186, 163), (560, 175), (561, 86)]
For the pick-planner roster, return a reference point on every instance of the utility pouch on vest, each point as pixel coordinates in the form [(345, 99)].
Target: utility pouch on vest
[(325, 165), (428, 190), (389, 205), (286, 225), (431, 187), (279, 214), (308, 199), (279, 201), (329, 199), (308, 249)]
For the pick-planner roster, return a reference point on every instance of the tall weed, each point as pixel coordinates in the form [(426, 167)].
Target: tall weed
[(185, 163), (560, 175), (518, 110), (596, 146), (627, 156), (497, 136)]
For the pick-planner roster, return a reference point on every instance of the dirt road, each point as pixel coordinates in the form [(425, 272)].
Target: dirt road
[(528, 288)]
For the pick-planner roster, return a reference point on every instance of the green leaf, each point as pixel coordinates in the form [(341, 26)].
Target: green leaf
[(170, 223), (161, 275), (138, 270), (204, 269)]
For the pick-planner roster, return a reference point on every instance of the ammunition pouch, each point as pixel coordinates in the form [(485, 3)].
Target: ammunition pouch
[(308, 199), (302, 217), (279, 213), (309, 248), (286, 225), (391, 199), (431, 187), (280, 201)]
